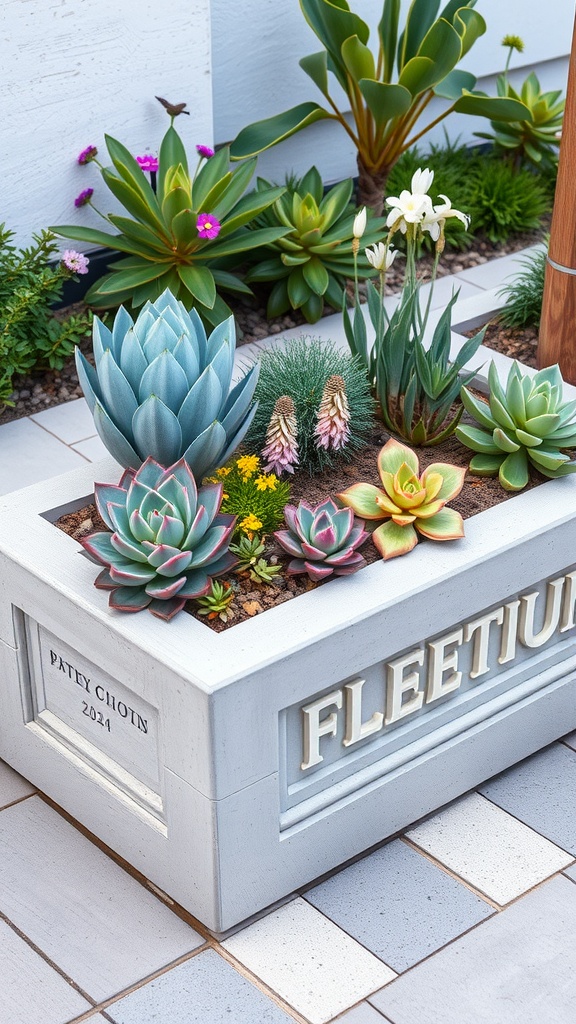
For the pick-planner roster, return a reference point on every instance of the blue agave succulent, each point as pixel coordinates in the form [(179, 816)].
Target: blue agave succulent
[(161, 388), (168, 539)]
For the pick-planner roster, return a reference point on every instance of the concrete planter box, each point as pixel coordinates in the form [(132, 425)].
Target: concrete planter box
[(232, 768)]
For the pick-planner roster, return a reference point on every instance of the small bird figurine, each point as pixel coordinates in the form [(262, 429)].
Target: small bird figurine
[(173, 108)]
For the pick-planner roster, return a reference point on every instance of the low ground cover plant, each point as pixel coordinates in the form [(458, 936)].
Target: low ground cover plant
[(524, 295), (31, 281)]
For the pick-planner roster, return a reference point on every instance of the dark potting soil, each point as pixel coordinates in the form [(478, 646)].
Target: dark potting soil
[(252, 598)]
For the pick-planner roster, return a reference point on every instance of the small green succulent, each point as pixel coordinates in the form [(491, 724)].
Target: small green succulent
[(249, 550), (216, 603), (526, 423), (312, 261)]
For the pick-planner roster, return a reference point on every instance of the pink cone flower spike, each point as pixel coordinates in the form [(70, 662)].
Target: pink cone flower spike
[(281, 449), (333, 416)]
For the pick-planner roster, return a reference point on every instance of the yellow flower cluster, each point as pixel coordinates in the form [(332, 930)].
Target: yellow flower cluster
[(250, 524), (248, 464), (266, 482)]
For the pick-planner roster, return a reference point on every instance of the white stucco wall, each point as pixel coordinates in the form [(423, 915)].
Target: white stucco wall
[(258, 43), (75, 69)]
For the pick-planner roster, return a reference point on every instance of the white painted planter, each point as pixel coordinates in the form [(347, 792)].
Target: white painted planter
[(232, 768)]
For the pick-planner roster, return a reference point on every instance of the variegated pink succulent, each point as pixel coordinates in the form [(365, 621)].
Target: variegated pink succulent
[(167, 542), (323, 540), (411, 503)]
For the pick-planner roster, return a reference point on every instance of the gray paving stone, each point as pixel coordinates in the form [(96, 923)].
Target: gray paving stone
[(570, 740), (398, 904), (541, 792), (88, 915), (203, 990), (571, 872), (12, 786), (516, 968), (361, 1014), (32, 992)]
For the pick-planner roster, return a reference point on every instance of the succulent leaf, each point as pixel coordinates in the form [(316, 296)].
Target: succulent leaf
[(323, 540)]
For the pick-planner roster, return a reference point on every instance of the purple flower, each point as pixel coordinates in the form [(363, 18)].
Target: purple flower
[(148, 162), (75, 261), (84, 197), (207, 226), (88, 154), (205, 151)]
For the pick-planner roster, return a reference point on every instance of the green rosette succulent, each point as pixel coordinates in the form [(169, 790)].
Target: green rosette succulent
[(526, 423), (323, 540), (168, 539), (163, 234), (310, 264), (161, 387), (411, 503)]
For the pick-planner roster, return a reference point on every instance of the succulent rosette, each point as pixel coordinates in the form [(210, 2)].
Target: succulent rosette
[(161, 387), (168, 539), (525, 423), (411, 503), (323, 540)]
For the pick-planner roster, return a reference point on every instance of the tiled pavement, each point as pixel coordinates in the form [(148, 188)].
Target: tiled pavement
[(470, 917)]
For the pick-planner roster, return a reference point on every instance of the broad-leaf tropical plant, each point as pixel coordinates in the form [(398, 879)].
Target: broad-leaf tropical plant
[(165, 235), (311, 263), (387, 90)]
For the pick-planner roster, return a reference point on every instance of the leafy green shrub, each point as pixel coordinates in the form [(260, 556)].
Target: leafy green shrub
[(301, 371), (30, 335), (311, 262), (524, 295), (503, 201)]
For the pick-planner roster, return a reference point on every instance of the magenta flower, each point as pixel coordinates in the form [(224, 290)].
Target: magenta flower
[(207, 226), (148, 162), (281, 449), (205, 151), (75, 261), (84, 197), (88, 154)]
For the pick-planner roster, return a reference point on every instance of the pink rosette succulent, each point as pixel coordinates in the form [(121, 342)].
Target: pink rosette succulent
[(323, 540), (412, 504)]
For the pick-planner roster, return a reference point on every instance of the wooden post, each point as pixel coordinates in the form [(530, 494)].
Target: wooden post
[(557, 342)]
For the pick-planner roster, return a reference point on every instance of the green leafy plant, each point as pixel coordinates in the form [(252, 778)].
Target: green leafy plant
[(256, 498), (249, 552), (417, 385), (323, 540), (161, 387), (30, 335), (535, 140), (385, 104), (216, 603), (301, 370), (312, 261), (503, 201), (525, 293), (168, 539), (411, 503), (526, 423), (178, 236)]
